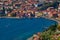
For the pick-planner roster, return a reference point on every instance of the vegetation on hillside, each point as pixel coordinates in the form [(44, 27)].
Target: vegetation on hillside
[(46, 5), (51, 33)]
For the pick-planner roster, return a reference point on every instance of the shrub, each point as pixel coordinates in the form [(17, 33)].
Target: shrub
[(58, 27)]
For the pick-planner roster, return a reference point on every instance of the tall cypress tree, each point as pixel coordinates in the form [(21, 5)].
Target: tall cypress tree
[(3, 10)]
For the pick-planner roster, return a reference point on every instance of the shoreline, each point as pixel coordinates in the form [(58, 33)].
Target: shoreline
[(32, 17), (58, 21), (28, 17), (54, 19)]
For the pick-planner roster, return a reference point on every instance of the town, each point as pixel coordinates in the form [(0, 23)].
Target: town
[(29, 8)]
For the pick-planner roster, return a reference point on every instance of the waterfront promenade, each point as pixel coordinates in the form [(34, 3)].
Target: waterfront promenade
[(55, 19)]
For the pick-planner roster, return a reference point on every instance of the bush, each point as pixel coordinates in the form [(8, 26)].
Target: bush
[(1, 15), (13, 15), (58, 27), (47, 35), (58, 38)]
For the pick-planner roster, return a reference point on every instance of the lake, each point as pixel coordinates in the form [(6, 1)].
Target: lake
[(21, 29)]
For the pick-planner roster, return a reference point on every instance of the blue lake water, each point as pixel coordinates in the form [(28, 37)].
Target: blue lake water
[(20, 29)]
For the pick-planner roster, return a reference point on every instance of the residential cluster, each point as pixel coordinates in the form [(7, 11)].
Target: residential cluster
[(26, 8)]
